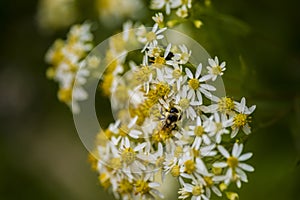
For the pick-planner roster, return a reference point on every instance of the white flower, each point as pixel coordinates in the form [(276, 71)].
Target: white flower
[(180, 57), (194, 190), (175, 76), (159, 4), (197, 84), (145, 188), (182, 12), (158, 18), (150, 37), (217, 126), (186, 102), (234, 163), (124, 132), (241, 119), (215, 69), (198, 131)]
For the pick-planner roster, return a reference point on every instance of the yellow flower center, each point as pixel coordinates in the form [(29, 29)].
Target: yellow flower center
[(194, 83), (232, 162), (162, 135), (125, 187), (178, 151), (176, 73), (190, 166), (159, 60), (115, 163), (142, 187), (240, 120), (143, 74), (184, 103), (199, 131), (208, 180), (175, 171), (216, 70), (151, 36), (197, 190), (226, 105), (128, 155)]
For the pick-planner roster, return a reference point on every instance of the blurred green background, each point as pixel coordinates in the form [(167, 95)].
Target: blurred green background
[(41, 155)]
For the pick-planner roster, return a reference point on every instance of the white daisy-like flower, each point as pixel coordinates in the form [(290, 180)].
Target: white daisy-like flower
[(168, 4), (180, 57), (182, 12), (217, 126), (198, 131), (130, 157), (215, 69), (242, 119), (186, 102), (158, 18), (124, 132), (234, 163), (194, 190), (150, 37), (145, 188), (197, 84), (206, 179), (175, 76)]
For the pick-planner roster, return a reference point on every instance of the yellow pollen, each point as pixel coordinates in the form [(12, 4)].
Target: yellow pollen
[(175, 171), (226, 105), (141, 187), (125, 187), (232, 162), (128, 155), (159, 60), (162, 135), (199, 131), (189, 166), (194, 83), (197, 190), (184, 103), (240, 120)]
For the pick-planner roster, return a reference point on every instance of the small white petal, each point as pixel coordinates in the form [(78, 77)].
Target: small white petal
[(245, 156), (246, 167), (223, 151), (220, 164)]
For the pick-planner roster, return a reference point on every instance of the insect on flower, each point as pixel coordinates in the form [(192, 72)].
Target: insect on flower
[(171, 114)]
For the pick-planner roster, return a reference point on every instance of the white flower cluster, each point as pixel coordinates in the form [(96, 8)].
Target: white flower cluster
[(65, 58), (174, 124), (182, 6)]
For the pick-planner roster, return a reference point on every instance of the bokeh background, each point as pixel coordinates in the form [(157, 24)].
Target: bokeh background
[(41, 155)]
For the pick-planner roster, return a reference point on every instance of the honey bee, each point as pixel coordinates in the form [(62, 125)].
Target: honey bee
[(171, 114)]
